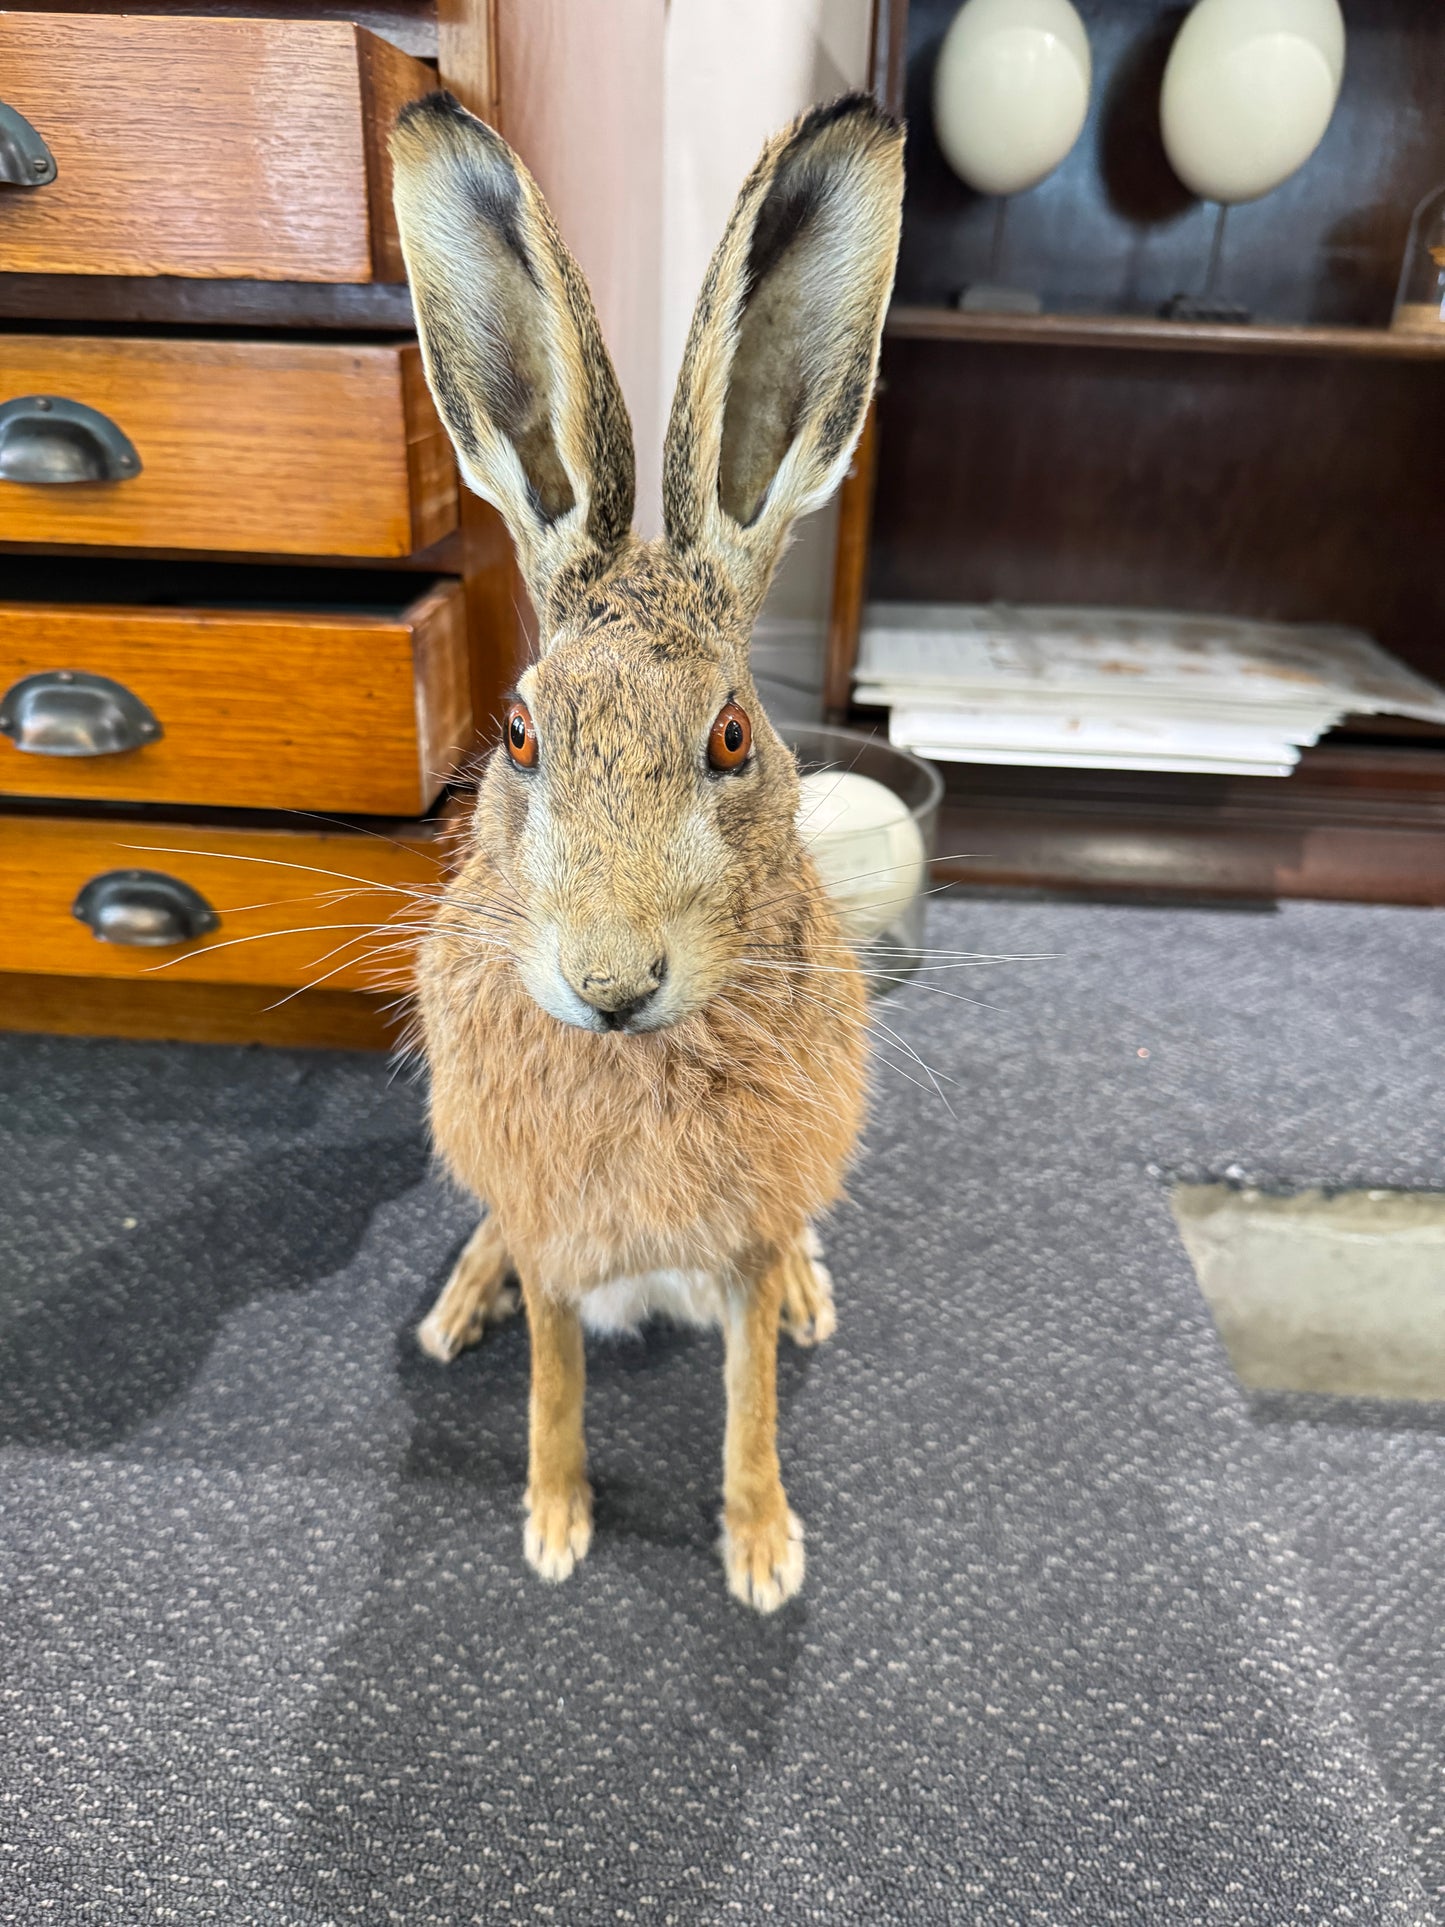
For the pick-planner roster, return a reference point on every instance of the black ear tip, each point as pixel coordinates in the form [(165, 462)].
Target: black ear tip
[(860, 108), (432, 108), (438, 112)]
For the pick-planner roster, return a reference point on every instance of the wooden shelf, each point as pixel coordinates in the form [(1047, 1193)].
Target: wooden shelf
[(1353, 823), (1145, 332)]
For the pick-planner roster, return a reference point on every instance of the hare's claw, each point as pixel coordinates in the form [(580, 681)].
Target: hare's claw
[(480, 1292), (763, 1560), (558, 1531), (808, 1316)]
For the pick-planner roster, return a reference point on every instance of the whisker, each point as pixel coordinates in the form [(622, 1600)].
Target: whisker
[(830, 769), (899, 979), (353, 828), (862, 876), (867, 965), (804, 1088), (933, 1076), (273, 863), (260, 936), (889, 1041), (315, 984)]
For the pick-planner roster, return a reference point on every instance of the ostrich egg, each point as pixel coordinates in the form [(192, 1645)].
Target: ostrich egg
[(1010, 91), (867, 848), (1248, 93)]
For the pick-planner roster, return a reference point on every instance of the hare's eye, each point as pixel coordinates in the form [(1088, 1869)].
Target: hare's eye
[(730, 738), (521, 735)]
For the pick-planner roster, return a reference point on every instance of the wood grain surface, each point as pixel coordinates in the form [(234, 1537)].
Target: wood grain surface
[(408, 24), (296, 907), (247, 148), (285, 447), (352, 714), (501, 623), (467, 54), (389, 79), (1167, 337), (1294, 488), (199, 1013), (1355, 824), (430, 464), (850, 571)]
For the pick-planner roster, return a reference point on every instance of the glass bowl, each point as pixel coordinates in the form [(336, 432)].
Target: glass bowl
[(1420, 303), (883, 903)]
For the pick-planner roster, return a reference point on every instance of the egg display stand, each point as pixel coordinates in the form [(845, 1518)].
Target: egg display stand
[(1208, 306), (994, 296)]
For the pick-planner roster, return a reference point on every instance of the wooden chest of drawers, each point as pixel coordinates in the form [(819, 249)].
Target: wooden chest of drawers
[(291, 448), (247, 148), (359, 711), (223, 760), (297, 901)]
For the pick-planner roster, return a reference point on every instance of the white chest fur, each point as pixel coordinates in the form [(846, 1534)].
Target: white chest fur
[(621, 1305)]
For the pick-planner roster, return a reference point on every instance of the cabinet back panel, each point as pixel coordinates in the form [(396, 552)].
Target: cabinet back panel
[(1113, 228), (1306, 489)]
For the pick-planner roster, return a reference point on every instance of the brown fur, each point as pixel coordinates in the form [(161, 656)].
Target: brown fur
[(622, 875)]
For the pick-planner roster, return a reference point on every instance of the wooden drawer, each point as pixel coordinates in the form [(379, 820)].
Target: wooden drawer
[(356, 713), (253, 149), (276, 447), (294, 908)]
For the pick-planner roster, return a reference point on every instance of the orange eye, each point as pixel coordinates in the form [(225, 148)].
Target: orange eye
[(521, 735), (730, 738)]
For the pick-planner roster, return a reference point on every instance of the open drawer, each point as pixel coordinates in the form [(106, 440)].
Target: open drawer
[(175, 145), (296, 694), (272, 447)]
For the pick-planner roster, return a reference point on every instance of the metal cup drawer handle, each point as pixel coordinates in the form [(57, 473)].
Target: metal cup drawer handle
[(65, 712), (25, 160), (49, 441), (145, 908)]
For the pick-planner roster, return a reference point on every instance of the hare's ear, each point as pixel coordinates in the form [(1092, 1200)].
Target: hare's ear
[(779, 364), (512, 349)]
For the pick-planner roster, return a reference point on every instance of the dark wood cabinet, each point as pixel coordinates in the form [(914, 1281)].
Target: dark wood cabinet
[(1287, 468)]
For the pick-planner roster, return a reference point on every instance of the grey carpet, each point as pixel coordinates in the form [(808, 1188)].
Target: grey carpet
[(1087, 1635)]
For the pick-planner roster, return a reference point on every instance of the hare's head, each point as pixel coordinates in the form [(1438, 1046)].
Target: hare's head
[(640, 806)]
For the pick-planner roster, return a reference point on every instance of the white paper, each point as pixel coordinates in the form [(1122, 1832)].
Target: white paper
[(1123, 689)]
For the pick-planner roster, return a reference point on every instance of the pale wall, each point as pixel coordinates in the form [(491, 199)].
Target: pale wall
[(734, 72), (581, 99), (641, 119)]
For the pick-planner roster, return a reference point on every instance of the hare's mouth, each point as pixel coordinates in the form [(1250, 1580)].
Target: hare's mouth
[(579, 1015)]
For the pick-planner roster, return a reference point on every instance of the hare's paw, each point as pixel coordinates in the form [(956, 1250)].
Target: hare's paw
[(763, 1559), (446, 1331), (480, 1292), (807, 1314), (558, 1530)]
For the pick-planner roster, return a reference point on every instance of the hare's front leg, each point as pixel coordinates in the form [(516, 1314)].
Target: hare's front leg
[(559, 1499), (762, 1542), (478, 1293), (808, 1315)]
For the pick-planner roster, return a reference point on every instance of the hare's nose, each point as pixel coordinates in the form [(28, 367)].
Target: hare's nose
[(620, 1000)]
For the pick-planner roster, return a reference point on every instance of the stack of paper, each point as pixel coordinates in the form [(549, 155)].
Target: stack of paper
[(1122, 688)]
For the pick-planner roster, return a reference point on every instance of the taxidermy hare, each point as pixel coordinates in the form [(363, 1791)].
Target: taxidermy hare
[(646, 1038)]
